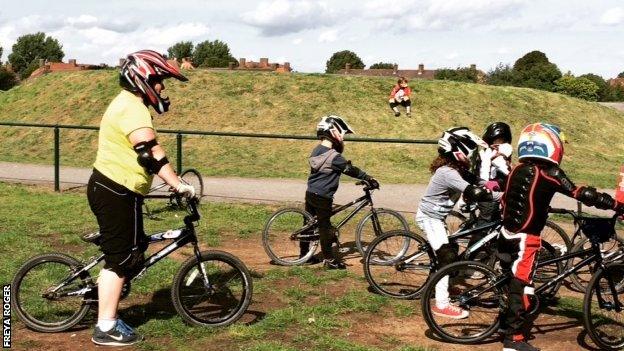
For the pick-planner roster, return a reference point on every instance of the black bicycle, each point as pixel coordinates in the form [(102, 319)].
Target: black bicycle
[(581, 278), (288, 227), (484, 294), (398, 264), (175, 200), (54, 291)]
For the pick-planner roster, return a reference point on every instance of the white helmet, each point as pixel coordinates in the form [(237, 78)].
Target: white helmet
[(460, 144)]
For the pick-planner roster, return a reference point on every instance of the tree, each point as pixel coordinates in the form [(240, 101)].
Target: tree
[(578, 87), (382, 65), (30, 48), (533, 70), (339, 59), (502, 75), (7, 79), (460, 74), (212, 54), (0, 54), (621, 75), (603, 86), (181, 50)]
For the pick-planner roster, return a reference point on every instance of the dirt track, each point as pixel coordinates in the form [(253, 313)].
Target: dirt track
[(553, 331)]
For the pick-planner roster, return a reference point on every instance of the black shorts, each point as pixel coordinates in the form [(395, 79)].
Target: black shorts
[(119, 216)]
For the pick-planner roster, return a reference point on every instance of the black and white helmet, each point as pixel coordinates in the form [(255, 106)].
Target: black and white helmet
[(333, 128), (460, 144)]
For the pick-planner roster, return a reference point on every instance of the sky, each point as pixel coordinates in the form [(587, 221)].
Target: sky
[(579, 36)]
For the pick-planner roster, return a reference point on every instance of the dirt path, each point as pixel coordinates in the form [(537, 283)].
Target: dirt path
[(401, 197), (553, 331)]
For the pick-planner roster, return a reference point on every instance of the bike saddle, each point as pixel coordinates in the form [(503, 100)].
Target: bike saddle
[(94, 238)]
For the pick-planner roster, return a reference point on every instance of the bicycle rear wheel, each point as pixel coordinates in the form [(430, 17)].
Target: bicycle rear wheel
[(603, 322), (556, 237), (388, 220), (281, 241), (397, 264), (219, 301), (473, 286), (33, 300)]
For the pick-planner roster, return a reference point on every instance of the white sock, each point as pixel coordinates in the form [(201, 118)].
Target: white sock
[(106, 324)]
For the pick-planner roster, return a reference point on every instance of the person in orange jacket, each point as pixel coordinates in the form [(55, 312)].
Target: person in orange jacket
[(400, 95)]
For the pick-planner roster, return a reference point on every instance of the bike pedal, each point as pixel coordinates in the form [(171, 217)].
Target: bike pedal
[(343, 250)]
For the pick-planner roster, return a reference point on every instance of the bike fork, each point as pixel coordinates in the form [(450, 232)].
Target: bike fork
[(201, 268)]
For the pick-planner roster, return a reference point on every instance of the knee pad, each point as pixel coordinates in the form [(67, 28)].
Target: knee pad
[(447, 254)]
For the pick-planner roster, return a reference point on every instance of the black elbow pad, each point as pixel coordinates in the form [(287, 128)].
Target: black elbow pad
[(477, 194), (146, 159)]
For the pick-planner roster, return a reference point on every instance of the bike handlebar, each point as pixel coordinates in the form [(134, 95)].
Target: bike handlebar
[(367, 185), (193, 216)]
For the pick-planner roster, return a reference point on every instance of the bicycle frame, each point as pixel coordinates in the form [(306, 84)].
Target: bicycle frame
[(362, 201), (180, 237)]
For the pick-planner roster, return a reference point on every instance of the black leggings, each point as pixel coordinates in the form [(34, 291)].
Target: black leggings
[(403, 103), (321, 207)]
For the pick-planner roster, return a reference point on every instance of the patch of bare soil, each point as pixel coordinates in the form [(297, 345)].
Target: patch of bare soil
[(554, 330)]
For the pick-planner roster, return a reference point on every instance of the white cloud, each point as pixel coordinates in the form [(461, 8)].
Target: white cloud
[(613, 16), (328, 36), (85, 37), (280, 17), (451, 56), (297, 41)]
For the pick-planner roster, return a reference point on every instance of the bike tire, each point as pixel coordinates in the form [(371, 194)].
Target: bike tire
[(580, 279), (557, 237), (389, 264), (45, 276), (193, 177), (220, 305), (547, 273), (365, 232), (609, 338), (276, 237), (487, 307)]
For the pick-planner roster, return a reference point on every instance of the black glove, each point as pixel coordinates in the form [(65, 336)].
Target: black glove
[(374, 184)]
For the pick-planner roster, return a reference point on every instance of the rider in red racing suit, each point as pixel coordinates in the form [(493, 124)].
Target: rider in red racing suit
[(530, 188)]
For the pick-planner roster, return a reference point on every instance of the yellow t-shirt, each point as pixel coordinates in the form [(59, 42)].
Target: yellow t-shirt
[(116, 158)]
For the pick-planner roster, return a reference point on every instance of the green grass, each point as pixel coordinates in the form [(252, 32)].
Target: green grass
[(312, 306), (292, 104)]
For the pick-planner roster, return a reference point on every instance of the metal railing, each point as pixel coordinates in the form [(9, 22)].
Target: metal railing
[(179, 133)]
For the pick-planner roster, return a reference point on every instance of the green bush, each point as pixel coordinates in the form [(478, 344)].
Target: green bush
[(460, 74), (212, 54), (577, 87), (7, 79), (29, 48), (533, 70), (502, 75), (382, 65), (181, 50), (339, 59), (603, 86)]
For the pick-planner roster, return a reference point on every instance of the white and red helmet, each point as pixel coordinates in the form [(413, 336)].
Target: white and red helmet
[(541, 141), (141, 70), (460, 144)]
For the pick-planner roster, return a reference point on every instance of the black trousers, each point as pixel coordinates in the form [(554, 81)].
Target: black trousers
[(120, 218), (403, 103), (321, 207)]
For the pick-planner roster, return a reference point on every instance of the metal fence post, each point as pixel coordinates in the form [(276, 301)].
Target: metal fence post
[(57, 158), (179, 151)]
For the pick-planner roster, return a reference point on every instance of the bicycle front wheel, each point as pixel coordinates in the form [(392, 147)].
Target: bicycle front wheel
[(580, 279), (603, 310), (283, 239), (193, 177), (472, 286), (35, 302), (212, 291), (388, 220), (397, 264)]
